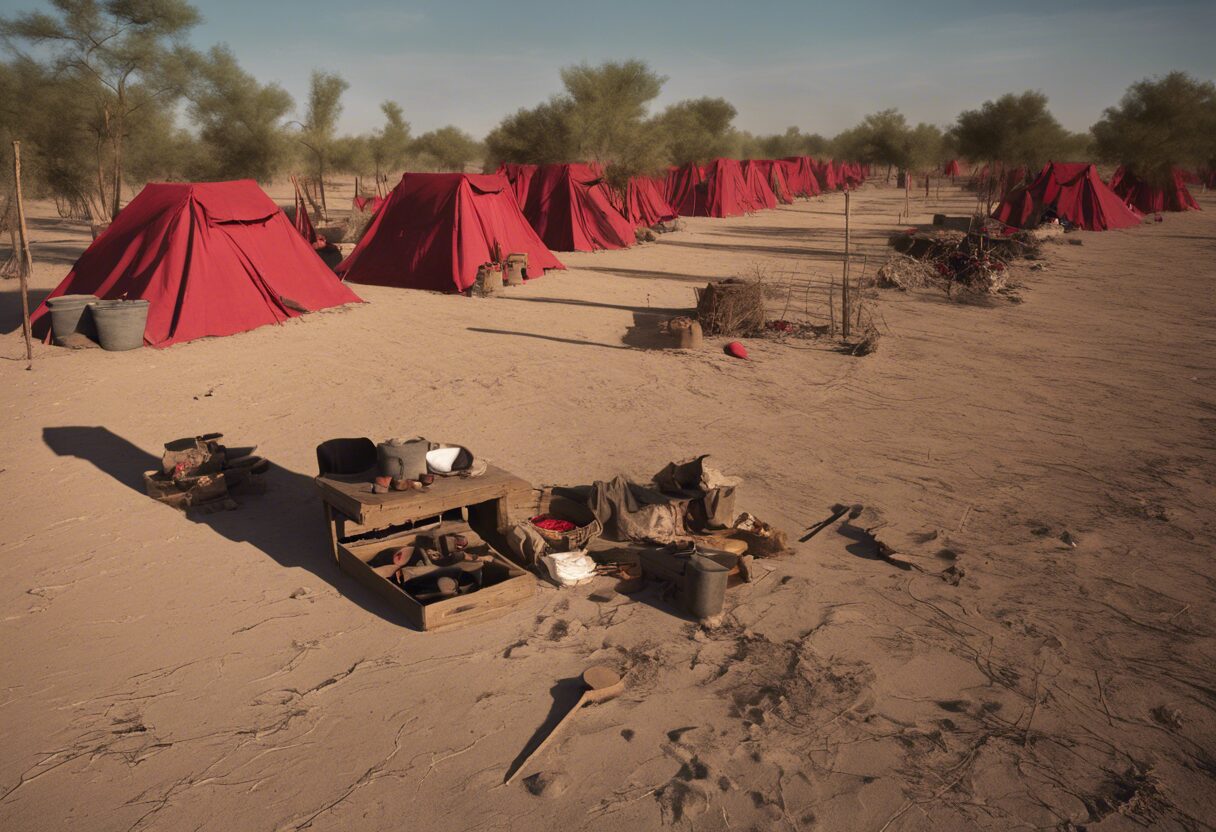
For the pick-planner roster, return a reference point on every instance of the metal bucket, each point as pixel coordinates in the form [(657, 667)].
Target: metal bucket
[(68, 317), (120, 323), (516, 264), (705, 582)]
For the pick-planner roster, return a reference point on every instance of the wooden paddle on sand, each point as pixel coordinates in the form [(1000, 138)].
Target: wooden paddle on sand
[(600, 683)]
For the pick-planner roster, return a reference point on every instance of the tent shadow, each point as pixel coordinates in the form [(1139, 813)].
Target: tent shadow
[(547, 338), (668, 311), (285, 523), (10, 307), (648, 274)]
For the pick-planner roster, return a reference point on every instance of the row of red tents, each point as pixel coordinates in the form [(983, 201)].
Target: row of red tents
[(1133, 191), (572, 208), (220, 258)]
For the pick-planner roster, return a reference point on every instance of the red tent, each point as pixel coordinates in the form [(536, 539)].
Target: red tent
[(643, 203), (1150, 199), (721, 192), (1071, 191), (367, 203), (303, 222), (211, 258), (851, 173), (681, 181), (435, 229), (570, 209), (520, 177), (825, 172), (952, 169), (800, 176), (776, 174), (758, 193)]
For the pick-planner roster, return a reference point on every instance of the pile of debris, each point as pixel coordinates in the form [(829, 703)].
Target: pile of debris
[(734, 306), (198, 471), (966, 257), (681, 530)]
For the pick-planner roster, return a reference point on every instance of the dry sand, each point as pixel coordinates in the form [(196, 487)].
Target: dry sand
[(161, 672)]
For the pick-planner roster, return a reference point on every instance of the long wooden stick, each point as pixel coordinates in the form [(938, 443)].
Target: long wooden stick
[(845, 326), (26, 268)]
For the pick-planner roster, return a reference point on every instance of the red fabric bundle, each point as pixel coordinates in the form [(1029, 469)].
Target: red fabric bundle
[(552, 524)]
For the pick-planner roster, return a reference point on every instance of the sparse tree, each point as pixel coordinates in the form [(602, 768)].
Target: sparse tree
[(240, 121), (118, 53), (602, 116), (1160, 124), (700, 129), (448, 148), (317, 132), (609, 105), (1015, 130), (390, 147), (793, 142), (59, 135), (540, 135)]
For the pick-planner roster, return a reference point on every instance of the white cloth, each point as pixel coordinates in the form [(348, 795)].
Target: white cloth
[(569, 568)]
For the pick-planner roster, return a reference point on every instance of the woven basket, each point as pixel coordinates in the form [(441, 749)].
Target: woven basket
[(576, 538), (587, 528)]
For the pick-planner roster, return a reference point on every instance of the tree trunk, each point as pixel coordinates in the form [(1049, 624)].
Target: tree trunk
[(321, 186), (116, 196), (101, 173), (119, 126)]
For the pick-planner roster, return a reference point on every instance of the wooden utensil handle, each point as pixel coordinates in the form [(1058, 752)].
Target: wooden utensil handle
[(582, 700)]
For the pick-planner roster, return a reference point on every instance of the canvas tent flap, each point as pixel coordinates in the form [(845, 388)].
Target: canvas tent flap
[(520, 177), (643, 203), (240, 201), (486, 183), (757, 192)]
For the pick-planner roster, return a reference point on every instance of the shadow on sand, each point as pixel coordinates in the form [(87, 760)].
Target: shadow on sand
[(10, 306), (285, 523)]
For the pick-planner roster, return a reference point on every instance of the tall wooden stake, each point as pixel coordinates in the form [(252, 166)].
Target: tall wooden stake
[(27, 266), (845, 326)]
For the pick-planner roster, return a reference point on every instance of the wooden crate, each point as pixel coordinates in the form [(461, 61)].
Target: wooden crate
[(513, 585), (352, 508)]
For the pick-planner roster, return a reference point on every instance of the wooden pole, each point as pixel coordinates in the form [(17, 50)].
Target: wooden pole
[(26, 268), (845, 326)]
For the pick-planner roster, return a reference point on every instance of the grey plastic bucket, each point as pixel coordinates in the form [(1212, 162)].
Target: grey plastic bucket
[(120, 323), (68, 317), (705, 583)]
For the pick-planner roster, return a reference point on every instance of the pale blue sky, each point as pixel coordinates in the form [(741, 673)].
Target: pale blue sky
[(818, 66)]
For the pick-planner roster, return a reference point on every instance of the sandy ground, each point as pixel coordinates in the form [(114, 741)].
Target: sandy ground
[(161, 672)]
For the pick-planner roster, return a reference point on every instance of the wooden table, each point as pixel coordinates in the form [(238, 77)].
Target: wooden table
[(349, 500)]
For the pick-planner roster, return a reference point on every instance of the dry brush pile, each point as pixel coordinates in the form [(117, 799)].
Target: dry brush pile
[(967, 265)]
